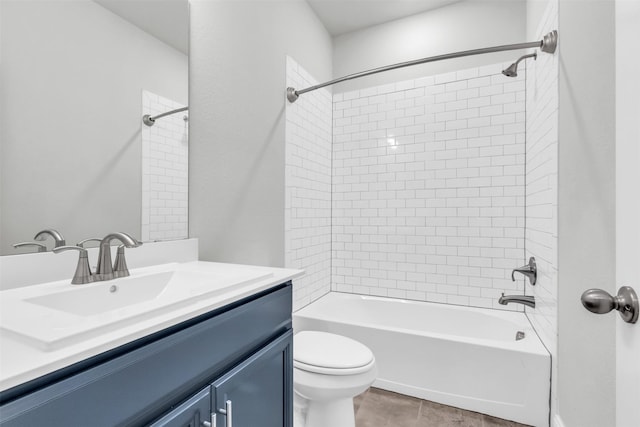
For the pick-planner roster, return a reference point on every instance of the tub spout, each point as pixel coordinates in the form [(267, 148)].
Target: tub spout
[(527, 300)]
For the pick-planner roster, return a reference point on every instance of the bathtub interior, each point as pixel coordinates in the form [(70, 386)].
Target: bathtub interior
[(468, 323), (500, 377)]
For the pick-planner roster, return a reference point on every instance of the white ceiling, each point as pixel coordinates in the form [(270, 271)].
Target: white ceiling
[(167, 20), (343, 16)]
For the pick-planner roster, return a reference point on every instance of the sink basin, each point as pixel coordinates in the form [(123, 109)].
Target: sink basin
[(59, 314), (107, 296)]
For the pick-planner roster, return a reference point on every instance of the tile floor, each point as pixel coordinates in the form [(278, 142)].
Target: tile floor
[(380, 408)]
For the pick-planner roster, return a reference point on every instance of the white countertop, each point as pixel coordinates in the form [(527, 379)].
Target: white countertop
[(22, 359)]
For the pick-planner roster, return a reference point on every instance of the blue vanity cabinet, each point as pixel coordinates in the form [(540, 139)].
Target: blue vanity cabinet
[(195, 412), (259, 391), (256, 393), (172, 377)]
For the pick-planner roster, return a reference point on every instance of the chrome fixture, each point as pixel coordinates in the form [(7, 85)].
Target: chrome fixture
[(41, 236), (105, 271), (548, 44), (83, 271), (211, 423), (227, 411), (120, 265), (530, 270), (81, 243), (41, 247), (600, 302), (149, 121), (527, 300), (512, 70)]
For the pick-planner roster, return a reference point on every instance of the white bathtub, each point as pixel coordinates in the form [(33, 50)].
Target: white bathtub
[(460, 356)]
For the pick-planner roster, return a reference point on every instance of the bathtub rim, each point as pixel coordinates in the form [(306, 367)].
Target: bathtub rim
[(530, 344)]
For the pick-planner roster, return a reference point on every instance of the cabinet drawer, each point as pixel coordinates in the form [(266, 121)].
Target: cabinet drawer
[(137, 387)]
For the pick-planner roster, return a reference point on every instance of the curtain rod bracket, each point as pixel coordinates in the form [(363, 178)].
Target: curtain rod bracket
[(550, 42), (147, 120), (292, 95)]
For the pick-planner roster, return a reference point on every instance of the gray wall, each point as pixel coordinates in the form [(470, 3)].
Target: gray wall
[(586, 210), (238, 51), (535, 12), (460, 26), (72, 77)]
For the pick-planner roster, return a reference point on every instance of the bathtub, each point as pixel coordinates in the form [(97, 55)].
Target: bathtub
[(459, 356)]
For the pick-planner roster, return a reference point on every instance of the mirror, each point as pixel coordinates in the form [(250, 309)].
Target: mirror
[(77, 77)]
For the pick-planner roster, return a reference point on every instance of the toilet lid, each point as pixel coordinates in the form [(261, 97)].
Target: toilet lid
[(325, 350)]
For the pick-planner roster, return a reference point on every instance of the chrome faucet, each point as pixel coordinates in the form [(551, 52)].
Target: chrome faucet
[(41, 236), (57, 237), (527, 300), (105, 270)]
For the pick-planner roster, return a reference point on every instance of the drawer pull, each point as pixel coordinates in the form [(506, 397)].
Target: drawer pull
[(211, 423), (228, 412)]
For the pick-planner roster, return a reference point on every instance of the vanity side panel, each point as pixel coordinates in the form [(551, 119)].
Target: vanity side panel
[(139, 386)]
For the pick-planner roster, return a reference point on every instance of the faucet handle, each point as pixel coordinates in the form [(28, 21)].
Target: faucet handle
[(120, 265), (41, 247), (81, 243), (83, 270), (530, 270)]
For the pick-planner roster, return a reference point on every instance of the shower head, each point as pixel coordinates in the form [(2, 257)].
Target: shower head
[(512, 70)]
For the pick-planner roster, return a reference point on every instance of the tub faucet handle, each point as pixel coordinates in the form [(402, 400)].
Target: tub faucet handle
[(530, 270)]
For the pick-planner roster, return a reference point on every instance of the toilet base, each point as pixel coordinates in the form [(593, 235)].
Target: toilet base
[(324, 389), (334, 413)]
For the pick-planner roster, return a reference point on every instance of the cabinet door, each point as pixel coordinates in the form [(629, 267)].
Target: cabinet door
[(192, 413), (259, 391)]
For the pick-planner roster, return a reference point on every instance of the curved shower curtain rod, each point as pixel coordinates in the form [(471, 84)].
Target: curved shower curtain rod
[(547, 44), (149, 121)]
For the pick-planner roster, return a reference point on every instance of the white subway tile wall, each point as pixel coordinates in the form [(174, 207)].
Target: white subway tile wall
[(428, 188), (165, 171), (542, 189), (308, 187)]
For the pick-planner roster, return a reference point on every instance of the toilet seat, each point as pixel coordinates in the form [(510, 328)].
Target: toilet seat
[(330, 354), (333, 371)]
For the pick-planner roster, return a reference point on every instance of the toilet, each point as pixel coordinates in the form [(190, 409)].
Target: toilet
[(328, 371)]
